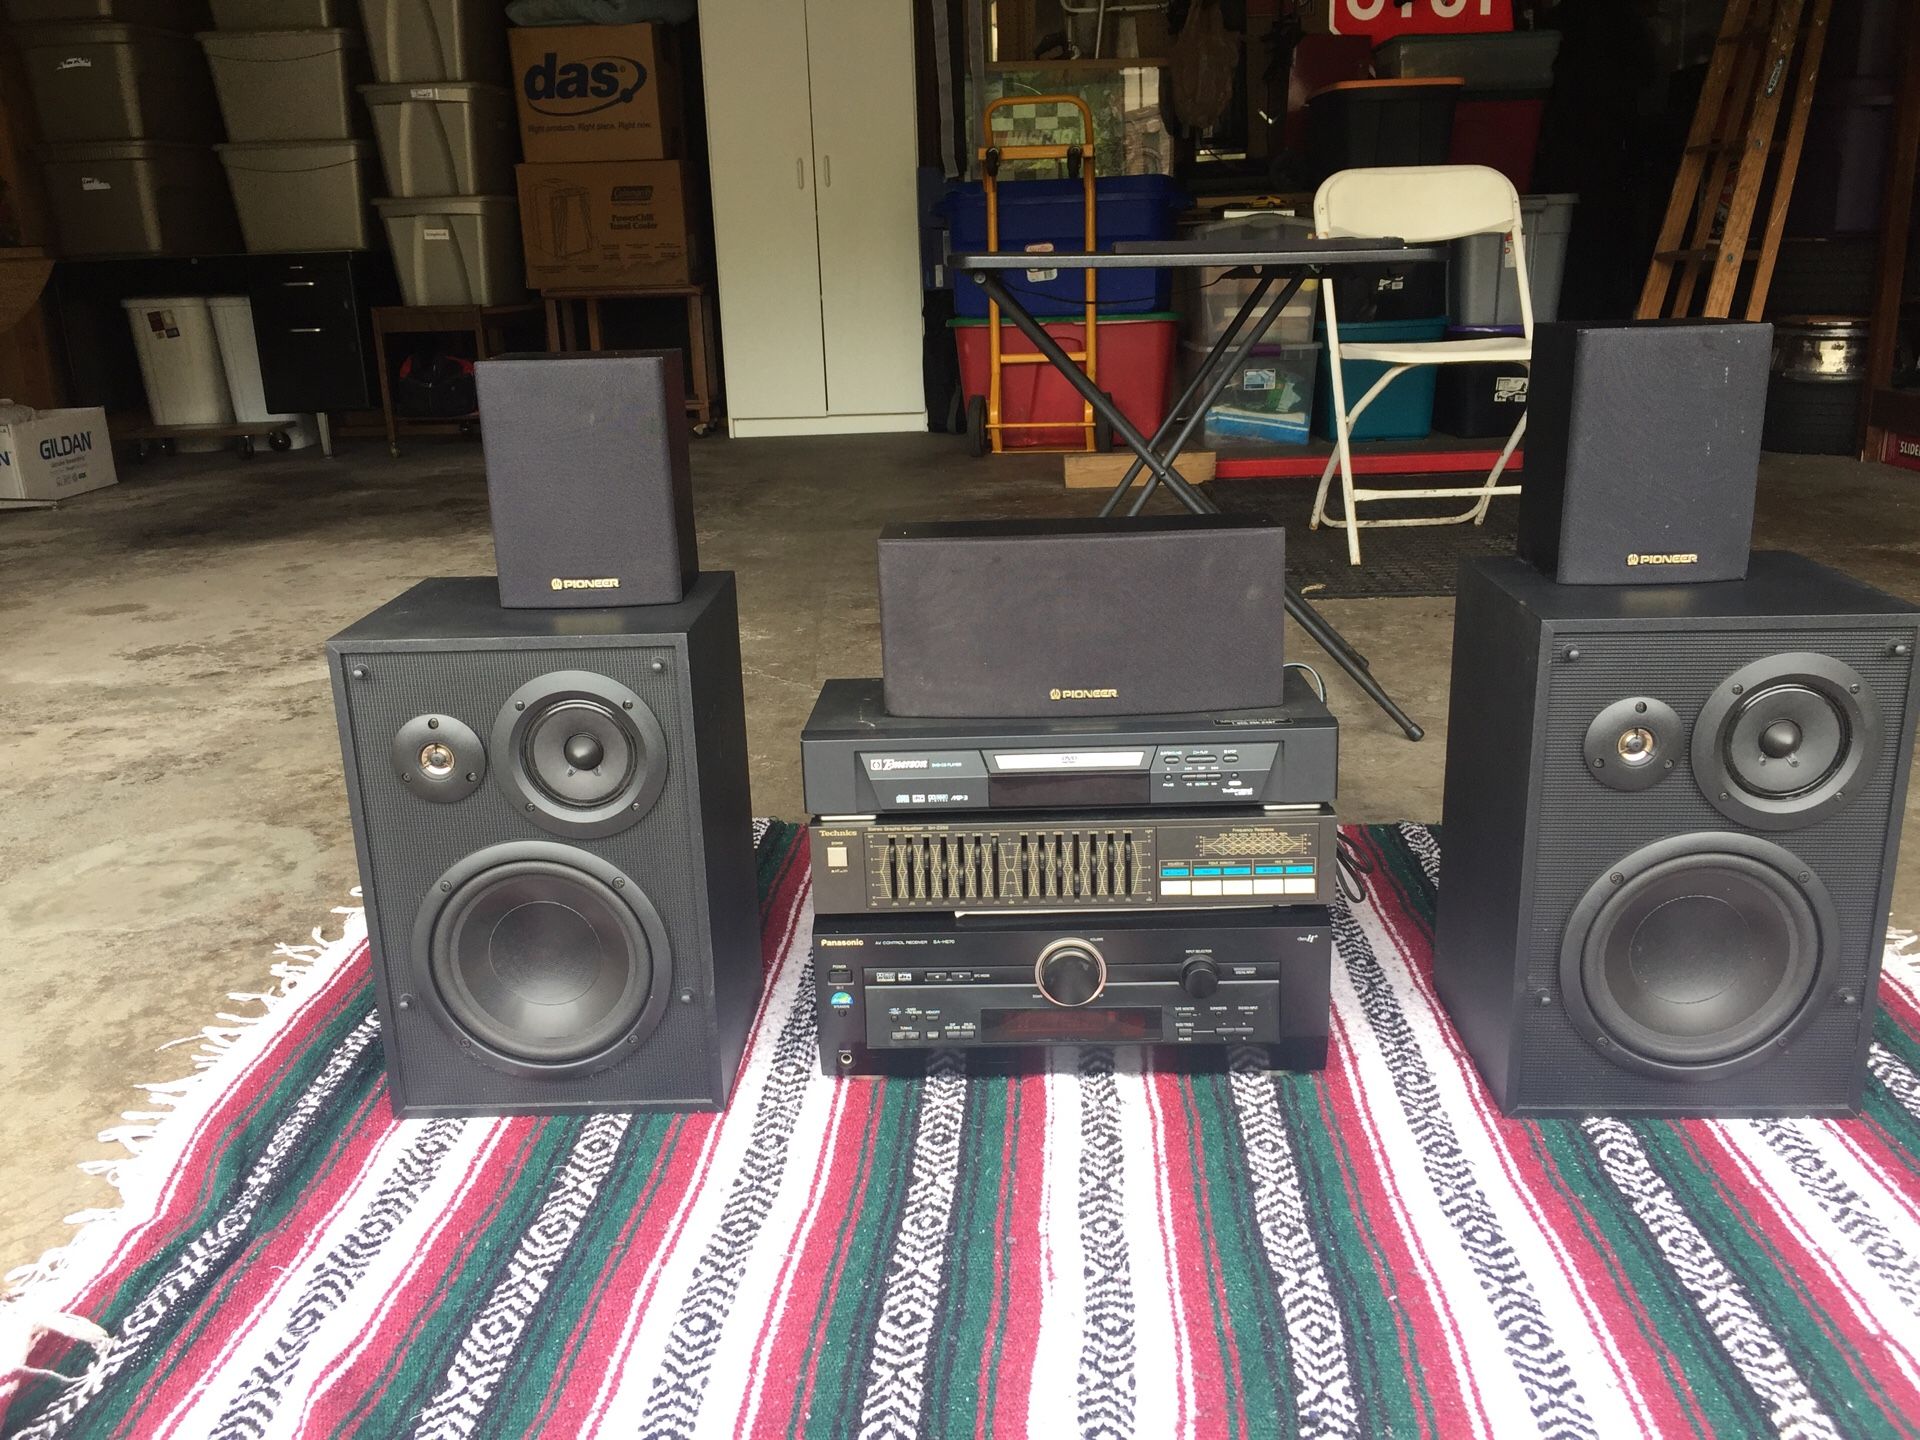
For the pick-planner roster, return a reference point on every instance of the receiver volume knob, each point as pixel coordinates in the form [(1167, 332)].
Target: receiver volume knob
[(1200, 977), (1070, 972)]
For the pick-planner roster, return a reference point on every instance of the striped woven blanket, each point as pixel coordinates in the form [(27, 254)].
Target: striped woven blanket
[(1088, 1252)]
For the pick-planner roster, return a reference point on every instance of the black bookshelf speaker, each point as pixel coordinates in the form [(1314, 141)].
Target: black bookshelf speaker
[(588, 478), (551, 814), (1643, 450), (1671, 820), (1059, 618)]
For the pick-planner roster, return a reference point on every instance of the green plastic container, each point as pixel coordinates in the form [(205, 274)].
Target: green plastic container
[(1404, 410)]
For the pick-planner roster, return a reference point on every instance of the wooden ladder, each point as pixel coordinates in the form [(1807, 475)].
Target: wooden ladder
[(1724, 170)]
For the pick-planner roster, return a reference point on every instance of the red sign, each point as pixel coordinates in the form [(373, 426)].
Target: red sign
[(1383, 19), (1902, 450)]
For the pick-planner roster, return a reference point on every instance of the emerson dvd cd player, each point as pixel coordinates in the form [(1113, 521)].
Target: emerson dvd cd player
[(856, 759)]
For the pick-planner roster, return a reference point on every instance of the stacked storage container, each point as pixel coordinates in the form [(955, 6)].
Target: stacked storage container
[(1270, 399), (296, 155), (1505, 80), (441, 117), (127, 110)]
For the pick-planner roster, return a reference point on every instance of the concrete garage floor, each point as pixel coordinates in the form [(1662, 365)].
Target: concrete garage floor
[(169, 770)]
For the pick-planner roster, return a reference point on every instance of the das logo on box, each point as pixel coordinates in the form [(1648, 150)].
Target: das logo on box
[(1384, 19), (582, 86)]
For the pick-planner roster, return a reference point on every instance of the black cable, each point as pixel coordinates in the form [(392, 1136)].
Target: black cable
[(1352, 871)]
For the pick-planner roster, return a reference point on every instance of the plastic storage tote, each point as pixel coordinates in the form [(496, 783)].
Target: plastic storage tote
[(1360, 123), (287, 84), (1479, 402), (1135, 367), (285, 14), (1516, 60), (1501, 132), (1051, 215), (139, 197), (1486, 291), (1405, 290), (1208, 300), (436, 40), (118, 82), (232, 317), (456, 249), (163, 14), (1267, 401), (1404, 410), (179, 360), (452, 139), (301, 194)]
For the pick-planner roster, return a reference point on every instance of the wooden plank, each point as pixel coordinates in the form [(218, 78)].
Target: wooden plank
[(1102, 472), (1772, 81), (1813, 44), (1730, 135), (1686, 182)]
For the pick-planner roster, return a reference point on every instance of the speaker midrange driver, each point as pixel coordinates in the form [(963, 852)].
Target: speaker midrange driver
[(583, 754), (1786, 741)]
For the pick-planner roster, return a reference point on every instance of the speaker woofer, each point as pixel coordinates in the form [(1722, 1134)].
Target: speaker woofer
[(1694, 956), (545, 959), (583, 754), (1786, 741)]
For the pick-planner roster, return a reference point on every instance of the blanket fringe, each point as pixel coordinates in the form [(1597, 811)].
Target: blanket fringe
[(292, 968)]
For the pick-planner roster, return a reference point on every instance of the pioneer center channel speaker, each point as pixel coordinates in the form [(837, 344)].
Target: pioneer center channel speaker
[(555, 845), (1056, 618), (1643, 447), (588, 479), (1671, 820)]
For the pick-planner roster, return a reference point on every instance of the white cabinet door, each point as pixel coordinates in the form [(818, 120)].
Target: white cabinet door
[(860, 53), (760, 145)]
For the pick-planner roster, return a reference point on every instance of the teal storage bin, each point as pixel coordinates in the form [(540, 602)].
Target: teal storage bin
[(1404, 410)]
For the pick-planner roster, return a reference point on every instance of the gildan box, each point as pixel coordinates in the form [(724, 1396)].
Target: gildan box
[(596, 92), (611, 223), (56, 454), (1380, 22)]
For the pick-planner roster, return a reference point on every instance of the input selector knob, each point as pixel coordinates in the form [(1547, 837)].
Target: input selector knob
[(1070, 972), (1200, 977)]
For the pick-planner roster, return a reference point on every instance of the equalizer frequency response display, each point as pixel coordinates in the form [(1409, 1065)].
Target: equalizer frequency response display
[(1121, 862)]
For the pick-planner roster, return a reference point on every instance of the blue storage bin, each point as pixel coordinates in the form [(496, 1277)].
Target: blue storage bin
[(1404, 410), (1053, 212)]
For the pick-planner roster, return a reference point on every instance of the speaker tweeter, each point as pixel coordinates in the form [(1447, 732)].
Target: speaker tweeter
[(439, 759), (1631, 745)]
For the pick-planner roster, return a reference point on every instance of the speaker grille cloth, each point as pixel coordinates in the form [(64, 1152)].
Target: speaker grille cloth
[(411, 844), (1584, 827)]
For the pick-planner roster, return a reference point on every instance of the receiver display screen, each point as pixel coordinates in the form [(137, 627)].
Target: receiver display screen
[(1044, 792), (1025, 1027)]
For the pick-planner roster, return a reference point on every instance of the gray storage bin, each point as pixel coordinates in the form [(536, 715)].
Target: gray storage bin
[(163, 14), (436, 40), (451, 139), (1207, 300), (287, 84), (139, 197), (98, 82), (456, 249), (285, 14), (1518, 60), (1484, 288), (301, 195)]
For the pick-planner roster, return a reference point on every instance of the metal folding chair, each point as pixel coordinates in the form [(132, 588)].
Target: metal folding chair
[(1421, 204)]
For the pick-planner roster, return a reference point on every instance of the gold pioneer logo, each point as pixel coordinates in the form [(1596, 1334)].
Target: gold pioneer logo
[(839, 944), (1679, 557), (1058, 694), (610, 582)]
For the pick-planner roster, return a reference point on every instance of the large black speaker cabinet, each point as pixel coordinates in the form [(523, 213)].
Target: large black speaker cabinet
[(1671, 819), (555, 844)]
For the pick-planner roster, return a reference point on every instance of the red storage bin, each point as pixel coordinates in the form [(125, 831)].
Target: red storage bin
[(1134, 364), (1500, 131)]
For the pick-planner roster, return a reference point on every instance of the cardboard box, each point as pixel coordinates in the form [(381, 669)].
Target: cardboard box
[(596, 92), (609, 223), (56, 454), (1380, 20)]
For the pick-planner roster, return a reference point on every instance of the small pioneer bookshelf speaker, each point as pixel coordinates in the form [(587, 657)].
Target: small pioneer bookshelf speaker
[(555, 843), (588, 478), (1671, 820), (1057, 618), (1643, 449)]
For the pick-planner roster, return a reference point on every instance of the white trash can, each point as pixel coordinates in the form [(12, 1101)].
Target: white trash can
[(180, 363), (240, 357)]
